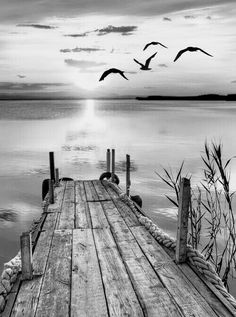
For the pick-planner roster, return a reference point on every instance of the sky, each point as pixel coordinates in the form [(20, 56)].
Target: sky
[(58, 48)]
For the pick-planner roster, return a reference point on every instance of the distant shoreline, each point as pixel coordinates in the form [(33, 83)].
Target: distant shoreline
[(209, 97)]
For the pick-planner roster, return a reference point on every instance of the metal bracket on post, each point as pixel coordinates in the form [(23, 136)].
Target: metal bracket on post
[(183, 212)]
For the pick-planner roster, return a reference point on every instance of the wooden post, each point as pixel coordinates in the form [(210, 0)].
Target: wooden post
[(26, 256), (183, 212), (108, 160), (52, 166), (112, 164), (128, 183), (57, 177), (51, 191)]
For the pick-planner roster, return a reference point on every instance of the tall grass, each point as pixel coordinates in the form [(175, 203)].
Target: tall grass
[(211, 214)]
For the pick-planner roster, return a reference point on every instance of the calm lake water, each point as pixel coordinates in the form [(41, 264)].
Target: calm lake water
[(156, 134)]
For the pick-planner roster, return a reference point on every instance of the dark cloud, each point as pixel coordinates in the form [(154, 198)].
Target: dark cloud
[(21, 76), (123, 30), (82, 64), (81, 49), (189, 17), (208, 17), (36, 10), (162, 65), (131, 72), (233, 82), (78, 34), (38, 26), (166, 19), (29, 86)]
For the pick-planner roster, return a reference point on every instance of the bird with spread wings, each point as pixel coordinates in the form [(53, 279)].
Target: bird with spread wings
[(153, 43), (190, 49), (112, 70), (146, 65)]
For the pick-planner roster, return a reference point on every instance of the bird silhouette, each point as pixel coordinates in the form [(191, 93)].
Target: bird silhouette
[(146, 65), (153, 43), (190, 49), (112, 70)]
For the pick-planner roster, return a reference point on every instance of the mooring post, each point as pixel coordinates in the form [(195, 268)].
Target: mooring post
[(112, 165), (183, 212), (57, 177), (108, 160), (52, 166), (128, 183), (51, 191), (26, 256)]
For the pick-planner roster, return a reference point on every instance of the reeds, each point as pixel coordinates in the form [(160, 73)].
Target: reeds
[(212, 221)]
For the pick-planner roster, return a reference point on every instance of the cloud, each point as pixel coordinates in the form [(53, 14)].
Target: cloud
[(208, 17), (38, 26), (131, 72), (77, 34), (166, 19), (123, 30), (81, 49), (189, 17), (82, 64), (233, 82), (21, 76), (162, 65), (29, 86)]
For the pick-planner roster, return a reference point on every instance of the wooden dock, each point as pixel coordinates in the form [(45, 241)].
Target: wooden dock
[(93, 258)]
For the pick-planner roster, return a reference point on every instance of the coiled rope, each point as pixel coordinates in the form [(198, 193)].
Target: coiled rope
[(194, 256)]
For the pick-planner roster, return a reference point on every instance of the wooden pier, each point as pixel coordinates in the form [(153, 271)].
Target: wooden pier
[(92, 257)]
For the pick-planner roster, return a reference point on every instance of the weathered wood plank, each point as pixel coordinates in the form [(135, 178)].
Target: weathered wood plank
[(184, 293), (82, 216), (98, 217), (54, 299), (80, 194), (154, 298), (101, 191), (91, 193), (87, 294), (113, 194), (43, 245), (120, 295), (11, 298), (58, 197), (127, 214), (67, 216)]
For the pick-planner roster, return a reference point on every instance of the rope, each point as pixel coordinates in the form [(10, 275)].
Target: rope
[(194, 256)]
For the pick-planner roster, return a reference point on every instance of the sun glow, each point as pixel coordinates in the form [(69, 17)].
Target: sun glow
[(89, 81)]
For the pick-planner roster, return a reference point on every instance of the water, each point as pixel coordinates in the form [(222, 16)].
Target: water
[(154, 133)]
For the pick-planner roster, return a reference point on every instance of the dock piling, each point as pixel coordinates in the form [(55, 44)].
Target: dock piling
[(108, 160), (113, 165), (183, 212), (128, 182), (26, 256), (52, 166), (57, 177), (51, 191)]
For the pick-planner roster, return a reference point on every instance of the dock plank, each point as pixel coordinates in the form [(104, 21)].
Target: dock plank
[(127, 214), (101, 191), (87, 294), (113, 194), (54, 299), (185, 294), (98, 217), (120, 295), (91, 193), (154, 298), (67, 216), (82, 215)]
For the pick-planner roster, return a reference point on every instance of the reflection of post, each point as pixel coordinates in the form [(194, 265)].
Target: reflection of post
[(128, 183), (183, 212), (52, 166), (113, 165), (108, 160), (26, 256)]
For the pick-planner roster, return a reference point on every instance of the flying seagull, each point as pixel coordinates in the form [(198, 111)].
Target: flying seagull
[(153, 43), (112, 70), (190, 49), (146, 66)]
